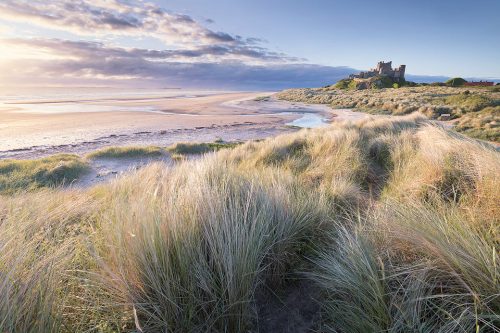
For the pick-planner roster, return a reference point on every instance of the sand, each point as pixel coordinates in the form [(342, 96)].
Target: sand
[(77, 126)]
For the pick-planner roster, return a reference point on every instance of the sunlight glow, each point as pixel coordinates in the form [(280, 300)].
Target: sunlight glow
[(15, 51)]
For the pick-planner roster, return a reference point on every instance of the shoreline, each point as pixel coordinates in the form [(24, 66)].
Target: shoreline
[(227, 116)]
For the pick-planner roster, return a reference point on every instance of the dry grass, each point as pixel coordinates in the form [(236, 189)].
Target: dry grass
[(394, 219), (200, 240), (484, 124)]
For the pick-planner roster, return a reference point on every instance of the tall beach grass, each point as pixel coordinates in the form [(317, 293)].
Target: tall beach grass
[(395, 221)]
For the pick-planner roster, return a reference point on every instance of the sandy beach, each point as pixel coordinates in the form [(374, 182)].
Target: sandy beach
[(35, 128)]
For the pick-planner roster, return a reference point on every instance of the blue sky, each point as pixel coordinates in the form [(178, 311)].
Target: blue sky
[(433, 37), (243, 44)]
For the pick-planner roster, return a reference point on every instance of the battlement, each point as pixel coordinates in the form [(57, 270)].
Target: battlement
[(383, 68)]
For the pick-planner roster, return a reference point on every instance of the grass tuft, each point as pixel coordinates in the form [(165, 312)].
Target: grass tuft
[(126, 152), (17, 175), (196, 148)]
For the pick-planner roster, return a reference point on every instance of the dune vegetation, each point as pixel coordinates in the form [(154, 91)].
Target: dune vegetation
[(46, 172), (197, 148), (471, 104), (126, 152), (393, 221)]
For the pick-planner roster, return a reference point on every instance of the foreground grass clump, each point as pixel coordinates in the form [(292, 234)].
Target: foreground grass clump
[(202, 242), (126, 152), (425, 270), (46, 172), (42, 251), (394, 221)]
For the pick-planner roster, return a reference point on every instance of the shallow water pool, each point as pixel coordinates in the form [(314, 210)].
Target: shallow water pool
[(308, 120)]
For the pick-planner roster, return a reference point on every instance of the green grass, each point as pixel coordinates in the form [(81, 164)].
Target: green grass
[(343, 84), (51, 171), (195, 148), (126, 152), (455, 82), (393, 221), (471, 103)]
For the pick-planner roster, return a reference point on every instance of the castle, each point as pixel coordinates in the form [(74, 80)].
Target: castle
[(383, 68)]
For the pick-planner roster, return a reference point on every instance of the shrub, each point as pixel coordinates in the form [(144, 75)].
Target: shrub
[(343, 84), (455, 82), (353, 85)]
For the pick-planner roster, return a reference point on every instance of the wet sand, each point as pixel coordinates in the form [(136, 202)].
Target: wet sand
[(66, 126)]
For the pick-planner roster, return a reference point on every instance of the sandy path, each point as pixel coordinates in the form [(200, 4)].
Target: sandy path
[(106, 169)]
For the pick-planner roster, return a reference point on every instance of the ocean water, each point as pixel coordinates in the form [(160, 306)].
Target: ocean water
[(28, 124), (53, 100), (92, 93)]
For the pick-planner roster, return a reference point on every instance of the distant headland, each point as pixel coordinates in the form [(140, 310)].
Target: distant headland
[(384, 76)]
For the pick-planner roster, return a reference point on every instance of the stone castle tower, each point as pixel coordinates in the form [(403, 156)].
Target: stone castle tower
[(383, 68)]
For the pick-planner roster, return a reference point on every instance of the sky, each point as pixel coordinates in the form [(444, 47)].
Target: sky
[(236, 44)]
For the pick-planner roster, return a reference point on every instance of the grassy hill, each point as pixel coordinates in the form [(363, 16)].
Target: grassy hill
[(480, 107), (393, 223)]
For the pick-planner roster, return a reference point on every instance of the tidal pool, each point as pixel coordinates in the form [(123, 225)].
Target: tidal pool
[(308, 120)]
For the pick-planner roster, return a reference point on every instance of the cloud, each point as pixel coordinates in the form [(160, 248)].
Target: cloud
[(118, 17), (81, 62), (217, 52), (193, 55), (184, 37)]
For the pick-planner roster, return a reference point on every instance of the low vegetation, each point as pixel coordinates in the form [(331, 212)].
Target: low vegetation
[(484, 124), (126, 152), (51, 171), (432, 101), (456, 82), (196, 148), (262, 98), (394, 221)]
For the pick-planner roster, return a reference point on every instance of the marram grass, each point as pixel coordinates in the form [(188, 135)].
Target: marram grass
[(126, 152), (394, 221)]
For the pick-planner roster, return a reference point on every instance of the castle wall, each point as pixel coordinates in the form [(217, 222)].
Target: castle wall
[(383, 68)]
